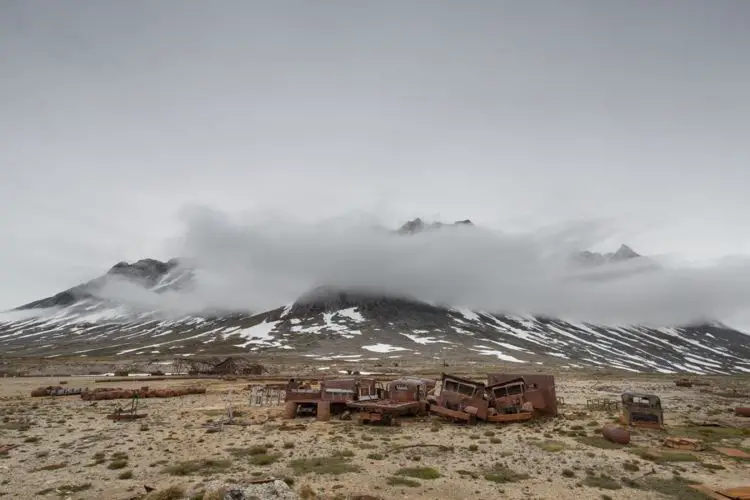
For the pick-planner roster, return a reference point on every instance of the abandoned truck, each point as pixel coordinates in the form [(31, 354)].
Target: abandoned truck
[(330, 398), (460, 400), (509, 398), (403, 397), (535, 393)]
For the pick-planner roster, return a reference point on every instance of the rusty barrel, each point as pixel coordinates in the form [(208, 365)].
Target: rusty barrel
[(742, 412), (616, 434)]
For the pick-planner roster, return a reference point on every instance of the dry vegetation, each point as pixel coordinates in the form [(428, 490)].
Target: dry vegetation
[(67, 449)]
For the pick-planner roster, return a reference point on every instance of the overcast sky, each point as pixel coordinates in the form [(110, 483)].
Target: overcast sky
[(116, 115)]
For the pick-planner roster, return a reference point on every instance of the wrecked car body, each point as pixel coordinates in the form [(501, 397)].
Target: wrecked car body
[(403, 397), (642, 410), (535, 393), (461, 400), (331, 397)]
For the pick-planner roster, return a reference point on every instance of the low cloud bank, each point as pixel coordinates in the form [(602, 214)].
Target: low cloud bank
[(254, 266)]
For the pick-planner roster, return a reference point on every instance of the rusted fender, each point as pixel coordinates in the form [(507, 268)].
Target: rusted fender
[(616, 434)]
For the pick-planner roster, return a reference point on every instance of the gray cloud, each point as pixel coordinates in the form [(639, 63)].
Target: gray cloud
[(251, 265), (113, 115)]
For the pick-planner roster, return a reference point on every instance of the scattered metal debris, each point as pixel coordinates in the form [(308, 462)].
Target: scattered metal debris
[(642, 410), (130, 414), (601, 404), (57, 391), (683, 443), (143, 392), (741, 493)]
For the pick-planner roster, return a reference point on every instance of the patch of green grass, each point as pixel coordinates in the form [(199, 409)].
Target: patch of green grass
[(402, 481), (663, 456), (248, 452), (550, 445), (710, 434), (31, 439), (495, 440), (602, 481), (568, 473), (59, 466), (120, 463), (375, 456), (419, 472), (630, 466), (265, 459), (676, 487), (600, 442), (501, 473), (128, 474), (334, 465), (203, 466), (68, 489), (710, 466)]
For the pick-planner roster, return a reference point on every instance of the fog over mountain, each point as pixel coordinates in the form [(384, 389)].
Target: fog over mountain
[(230, 264)]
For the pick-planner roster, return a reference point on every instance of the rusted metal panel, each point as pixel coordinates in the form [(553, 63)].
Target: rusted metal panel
[(741, 493), (456, 394)]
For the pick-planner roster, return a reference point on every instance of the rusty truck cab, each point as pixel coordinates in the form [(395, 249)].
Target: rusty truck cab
[(642, 410), (461, 400)]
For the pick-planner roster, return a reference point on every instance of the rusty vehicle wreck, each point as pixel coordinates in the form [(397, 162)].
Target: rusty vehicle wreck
[(403, 397), (508, 398), (331, 397)]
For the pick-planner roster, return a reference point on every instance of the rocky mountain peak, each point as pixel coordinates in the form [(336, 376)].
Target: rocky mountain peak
[(418, 225)]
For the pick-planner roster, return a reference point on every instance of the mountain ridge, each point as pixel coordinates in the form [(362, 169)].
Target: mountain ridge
[(328, 323)]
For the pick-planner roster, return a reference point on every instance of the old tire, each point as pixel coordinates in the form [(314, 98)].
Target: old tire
[(290, 409), (615, 434), (324, 411)]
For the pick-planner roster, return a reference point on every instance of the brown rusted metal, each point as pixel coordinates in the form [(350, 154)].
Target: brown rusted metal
[(143, 392), (642, 410), (616, 434), (740, 493), (332, 396), (403, 397), (537, 390), (456, 395), (683, 443), (742, 412)]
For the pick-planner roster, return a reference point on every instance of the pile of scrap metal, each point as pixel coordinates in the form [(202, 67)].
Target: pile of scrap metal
[(57, 391), (331, 397), (642, 410), (506, 398), (217, 366), (143, 392), (403, 397)]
